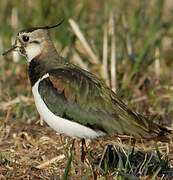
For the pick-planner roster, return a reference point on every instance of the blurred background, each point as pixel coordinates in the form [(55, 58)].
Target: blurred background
[(128, 44)]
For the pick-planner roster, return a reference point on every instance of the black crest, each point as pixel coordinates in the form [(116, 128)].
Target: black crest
[(44, 27)]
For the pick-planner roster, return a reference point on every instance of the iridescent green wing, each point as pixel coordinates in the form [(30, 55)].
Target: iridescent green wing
[(79, 96)]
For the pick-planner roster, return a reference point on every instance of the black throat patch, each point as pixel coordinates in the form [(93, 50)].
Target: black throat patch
[(35, 71)]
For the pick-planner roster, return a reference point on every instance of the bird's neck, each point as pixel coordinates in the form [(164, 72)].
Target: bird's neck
[(46, 61), (48, 49), (41, 65), (35, 70), (43, 62)]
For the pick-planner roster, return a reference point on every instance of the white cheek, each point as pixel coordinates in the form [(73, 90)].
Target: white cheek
[(32, 51)]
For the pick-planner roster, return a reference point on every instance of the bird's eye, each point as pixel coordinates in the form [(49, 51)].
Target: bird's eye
[(25, 38)]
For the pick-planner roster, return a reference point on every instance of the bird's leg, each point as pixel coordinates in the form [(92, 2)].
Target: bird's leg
[(84, 150), (81, 154)]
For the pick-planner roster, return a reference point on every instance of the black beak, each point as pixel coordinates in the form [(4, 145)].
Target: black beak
[(9, 50)]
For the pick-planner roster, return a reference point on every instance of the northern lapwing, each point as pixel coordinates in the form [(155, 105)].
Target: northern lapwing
[(73, 101)]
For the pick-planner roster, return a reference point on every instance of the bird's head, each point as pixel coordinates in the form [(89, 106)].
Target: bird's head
[(32, 42)]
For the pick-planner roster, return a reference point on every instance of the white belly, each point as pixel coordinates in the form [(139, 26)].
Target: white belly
[(61, 125)]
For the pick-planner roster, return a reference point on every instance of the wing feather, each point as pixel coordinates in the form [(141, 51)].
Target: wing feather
[(81, 97)]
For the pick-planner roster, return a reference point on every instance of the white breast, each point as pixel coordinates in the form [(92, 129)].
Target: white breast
[(61, 125)]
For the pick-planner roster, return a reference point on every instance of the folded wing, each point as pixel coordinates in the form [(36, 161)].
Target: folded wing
[(79, 96)]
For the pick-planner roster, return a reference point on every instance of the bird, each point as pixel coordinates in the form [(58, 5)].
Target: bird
[(73, 101)]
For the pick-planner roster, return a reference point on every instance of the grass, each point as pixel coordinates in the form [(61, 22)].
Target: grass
[(127, 44)]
